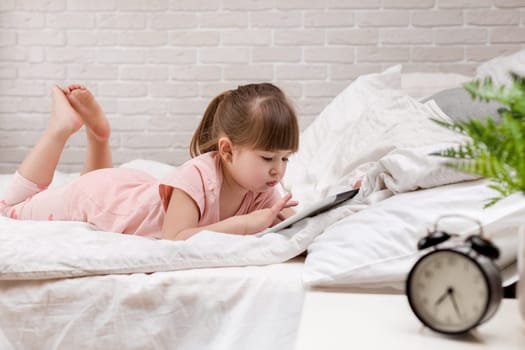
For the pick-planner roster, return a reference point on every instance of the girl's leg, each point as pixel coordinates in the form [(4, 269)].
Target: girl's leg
[(97, 127), (25, 200), (40, 164)]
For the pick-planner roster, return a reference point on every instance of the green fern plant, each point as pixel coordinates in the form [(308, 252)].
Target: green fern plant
[(494, 150)]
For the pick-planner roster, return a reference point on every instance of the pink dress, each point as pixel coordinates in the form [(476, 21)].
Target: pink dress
[(126, 200)]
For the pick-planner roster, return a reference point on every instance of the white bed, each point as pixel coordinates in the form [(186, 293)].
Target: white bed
[(66, 285), (255, 307)]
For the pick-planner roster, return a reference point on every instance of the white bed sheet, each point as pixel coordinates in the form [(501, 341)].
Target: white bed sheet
[(255, 307)]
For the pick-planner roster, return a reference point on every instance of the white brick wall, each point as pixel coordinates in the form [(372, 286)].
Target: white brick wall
[(155, 64)]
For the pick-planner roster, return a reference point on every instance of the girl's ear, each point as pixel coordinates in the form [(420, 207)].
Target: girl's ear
[(225, 147)]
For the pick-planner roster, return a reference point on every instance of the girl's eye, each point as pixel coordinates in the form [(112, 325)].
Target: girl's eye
[(285, 159), (267, 159)]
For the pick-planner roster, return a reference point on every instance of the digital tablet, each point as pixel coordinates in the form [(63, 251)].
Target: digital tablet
[(314, 209)]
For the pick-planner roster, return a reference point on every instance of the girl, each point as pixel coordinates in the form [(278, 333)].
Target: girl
[(240, 151)]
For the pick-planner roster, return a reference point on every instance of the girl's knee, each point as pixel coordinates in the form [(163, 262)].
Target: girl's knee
[(19, 190)]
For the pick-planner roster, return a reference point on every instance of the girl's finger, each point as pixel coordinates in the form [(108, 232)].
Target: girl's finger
[(287, 197), (281, 204), (291, 204), (277, 207)]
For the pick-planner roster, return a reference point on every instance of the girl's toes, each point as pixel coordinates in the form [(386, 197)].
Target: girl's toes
[(72, 87)]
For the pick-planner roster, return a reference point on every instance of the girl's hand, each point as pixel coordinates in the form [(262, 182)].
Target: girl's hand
[(261, 219), (286, 211), (182, 216)]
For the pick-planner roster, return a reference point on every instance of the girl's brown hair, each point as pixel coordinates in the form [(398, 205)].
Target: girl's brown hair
[(256, 115)]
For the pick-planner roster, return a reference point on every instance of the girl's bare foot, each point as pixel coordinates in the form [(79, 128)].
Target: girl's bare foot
[(89, 110), (63, 120)]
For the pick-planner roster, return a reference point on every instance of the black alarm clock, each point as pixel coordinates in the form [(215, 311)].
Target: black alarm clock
[(454, 289)]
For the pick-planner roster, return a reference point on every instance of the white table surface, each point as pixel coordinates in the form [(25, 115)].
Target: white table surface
[(335, 321)]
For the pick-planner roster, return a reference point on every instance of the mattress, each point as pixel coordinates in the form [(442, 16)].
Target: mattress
[(252, 307)]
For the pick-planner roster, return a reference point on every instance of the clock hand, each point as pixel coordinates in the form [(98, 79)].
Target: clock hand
[(442, 297), (454, 303)]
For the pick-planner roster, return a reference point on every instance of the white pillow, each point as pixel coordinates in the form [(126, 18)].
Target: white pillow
[(499, 68), (361, 126), (378, 244), (330, 128)]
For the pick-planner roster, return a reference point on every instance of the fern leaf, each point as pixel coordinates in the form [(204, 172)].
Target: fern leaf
[(495, 150)]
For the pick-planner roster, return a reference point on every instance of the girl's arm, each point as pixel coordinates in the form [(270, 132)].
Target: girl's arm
[(182, 217)]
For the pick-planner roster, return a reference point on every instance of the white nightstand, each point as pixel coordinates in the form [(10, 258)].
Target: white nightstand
[(335, 321)]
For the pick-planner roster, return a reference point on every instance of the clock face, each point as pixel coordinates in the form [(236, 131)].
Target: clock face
[(448, 291)]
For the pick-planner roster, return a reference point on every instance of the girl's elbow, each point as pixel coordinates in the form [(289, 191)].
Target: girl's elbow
[(175, 237), (170, 235)]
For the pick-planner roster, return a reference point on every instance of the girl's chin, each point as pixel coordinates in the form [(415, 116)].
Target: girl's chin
[(261, 189)]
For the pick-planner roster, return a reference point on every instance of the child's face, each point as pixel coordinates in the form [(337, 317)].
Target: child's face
[(258, 170)]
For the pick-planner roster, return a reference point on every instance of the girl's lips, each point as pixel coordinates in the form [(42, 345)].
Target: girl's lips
[(271, 183)]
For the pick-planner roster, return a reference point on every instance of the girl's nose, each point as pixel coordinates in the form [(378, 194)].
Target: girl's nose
[(278, 170)]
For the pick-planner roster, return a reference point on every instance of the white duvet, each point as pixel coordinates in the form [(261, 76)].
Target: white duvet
[(370, 131)]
